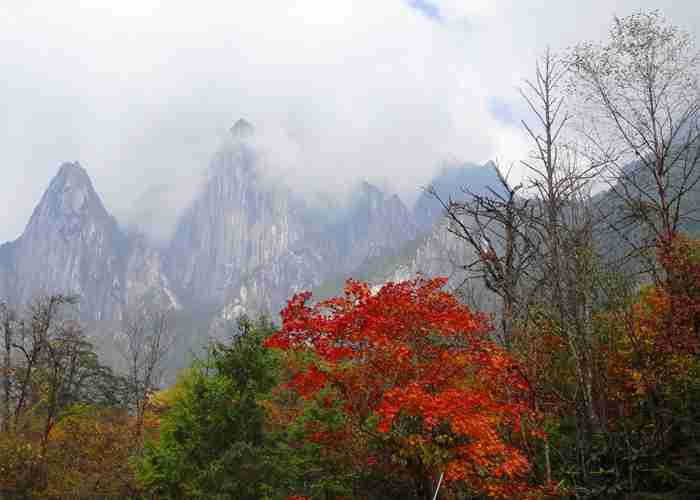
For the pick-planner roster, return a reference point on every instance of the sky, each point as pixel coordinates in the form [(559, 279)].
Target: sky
[(142, 92)]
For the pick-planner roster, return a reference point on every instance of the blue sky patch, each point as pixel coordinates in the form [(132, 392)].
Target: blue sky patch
[(502, 111), (428, 9)]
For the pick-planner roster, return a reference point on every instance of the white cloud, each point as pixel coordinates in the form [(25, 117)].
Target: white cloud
[(142, 91)]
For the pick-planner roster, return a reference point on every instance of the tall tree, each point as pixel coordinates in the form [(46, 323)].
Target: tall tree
[(42, 326), (147, 336), (559, 180), (496, 226), (214, 441), (7, 324), (639, 94), (421, 389)]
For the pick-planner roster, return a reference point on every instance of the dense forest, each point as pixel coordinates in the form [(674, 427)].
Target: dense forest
[(584, 384)]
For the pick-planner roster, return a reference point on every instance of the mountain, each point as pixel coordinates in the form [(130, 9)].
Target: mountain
[(434, 251), (249, 245), (620, 234), (235, 226), (449, 183), (375, 224), (71, 244), (145, 280), (243, 245), (6, 271)]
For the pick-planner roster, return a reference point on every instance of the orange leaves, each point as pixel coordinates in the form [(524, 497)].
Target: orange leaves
[(420, 365), (660, 346), (653, 343), (679, 295)]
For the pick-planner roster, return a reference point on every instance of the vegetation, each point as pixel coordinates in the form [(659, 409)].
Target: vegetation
[(587, 386)]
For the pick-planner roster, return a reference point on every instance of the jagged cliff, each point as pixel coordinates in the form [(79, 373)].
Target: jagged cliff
[(236, 227), (249, 245), (244, 245), (434, 251), (71, 244)]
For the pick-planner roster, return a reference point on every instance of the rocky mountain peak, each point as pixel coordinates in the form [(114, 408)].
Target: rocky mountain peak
[(370, 189), (73, 170), (242, 129), (70, 194), (71, 245), (243, 245), (370, 197)]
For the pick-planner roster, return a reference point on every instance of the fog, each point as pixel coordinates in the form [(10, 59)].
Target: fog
[(142, 92)]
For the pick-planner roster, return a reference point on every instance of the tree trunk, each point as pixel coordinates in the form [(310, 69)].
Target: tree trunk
[(547, 460), (6, 373)]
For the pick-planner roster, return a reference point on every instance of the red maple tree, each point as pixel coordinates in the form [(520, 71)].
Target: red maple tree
[(419, 377)]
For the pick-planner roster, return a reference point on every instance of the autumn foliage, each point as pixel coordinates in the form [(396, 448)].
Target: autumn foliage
[(419, 383)]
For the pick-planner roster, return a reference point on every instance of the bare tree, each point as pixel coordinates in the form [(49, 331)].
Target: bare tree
[(495, 227), (32, 338), (639, 97), (51, 351), (560, 180), (538, 236), (7, 323), (63, 355), (147, 336)]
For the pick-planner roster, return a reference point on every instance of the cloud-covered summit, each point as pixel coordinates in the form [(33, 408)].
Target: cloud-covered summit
[(142, 91)]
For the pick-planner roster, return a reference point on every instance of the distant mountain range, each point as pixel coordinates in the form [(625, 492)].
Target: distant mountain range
[(242, 246)]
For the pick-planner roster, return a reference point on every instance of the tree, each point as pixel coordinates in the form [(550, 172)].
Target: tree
[(497, 228), (147, 337), (214, 441), (639, 98), (560, 183), (640, 107), (8, 324), (90, 454), (43, 326), (421, 388), (55, 380), (63, 354)]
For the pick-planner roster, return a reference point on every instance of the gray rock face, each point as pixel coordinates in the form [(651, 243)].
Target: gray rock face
[(435, 251), (249, 246), (243, 245), (444, 254), (234, 228), (145, 281), (71, 245), (375, 223), (6, 271)]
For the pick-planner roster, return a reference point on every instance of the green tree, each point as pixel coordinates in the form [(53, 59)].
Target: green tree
[(213, 440)]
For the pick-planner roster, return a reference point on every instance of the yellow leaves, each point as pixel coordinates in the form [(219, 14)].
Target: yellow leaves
[(17, 456), (415, 440), (87, 456), (636, 382)]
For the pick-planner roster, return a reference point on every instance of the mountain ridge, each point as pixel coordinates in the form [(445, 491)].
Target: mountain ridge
[(243, 246)]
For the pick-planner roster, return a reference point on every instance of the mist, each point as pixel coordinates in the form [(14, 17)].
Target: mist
[(142, 93)]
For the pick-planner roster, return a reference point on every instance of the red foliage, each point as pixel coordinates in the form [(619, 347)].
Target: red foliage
[(656, 349), (681, 292), (422, 366)]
